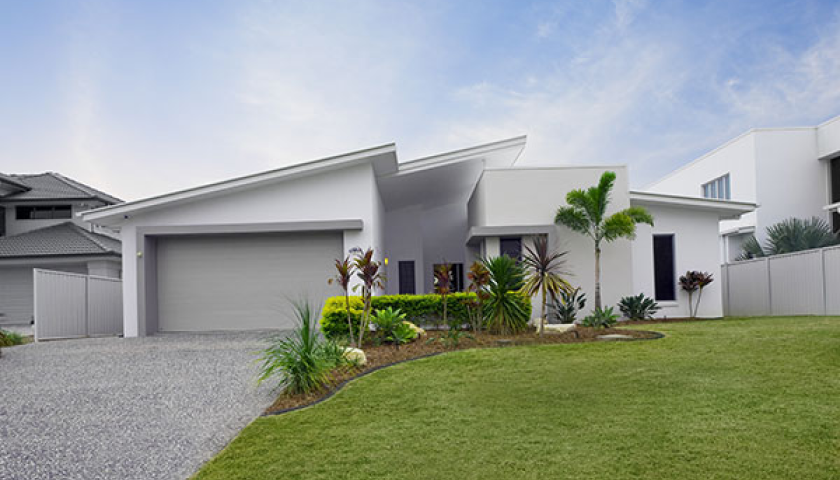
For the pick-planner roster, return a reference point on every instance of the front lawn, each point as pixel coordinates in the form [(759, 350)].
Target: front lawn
[(734, 399)]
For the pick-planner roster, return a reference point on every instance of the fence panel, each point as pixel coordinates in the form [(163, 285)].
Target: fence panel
[(60, 304), (748, 285), (104, 306), (72, 305), (796, 284), (831, 269)]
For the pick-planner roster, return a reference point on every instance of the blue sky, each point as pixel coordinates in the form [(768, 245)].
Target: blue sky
[(139, 98)]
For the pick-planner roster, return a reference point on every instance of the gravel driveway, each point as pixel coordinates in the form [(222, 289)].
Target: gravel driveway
[(139, 408)]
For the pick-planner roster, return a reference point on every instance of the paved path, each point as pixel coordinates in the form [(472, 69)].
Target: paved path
[(111, 408)]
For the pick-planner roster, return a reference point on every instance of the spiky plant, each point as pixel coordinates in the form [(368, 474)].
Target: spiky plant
[(788, 236), (638, 307), (694, 281), (443, 284), (344, 269), (504, 313), (479, 278), (545, 270), (368, 271), (587, 214)]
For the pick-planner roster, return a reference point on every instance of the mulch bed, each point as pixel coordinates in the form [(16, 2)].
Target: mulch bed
[(384, 355), (654, 321)]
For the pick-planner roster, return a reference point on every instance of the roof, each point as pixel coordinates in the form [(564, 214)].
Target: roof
[(52, 186), (58, 240), (724, 208)]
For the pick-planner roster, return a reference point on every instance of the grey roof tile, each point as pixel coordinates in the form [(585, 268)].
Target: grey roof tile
[(53, 186), (62, 239)]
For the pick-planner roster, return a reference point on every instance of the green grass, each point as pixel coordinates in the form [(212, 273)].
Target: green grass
[(733, 399)]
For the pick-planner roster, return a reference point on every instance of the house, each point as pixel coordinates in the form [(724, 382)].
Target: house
[(40, 228), (229, 255), (788, 172)]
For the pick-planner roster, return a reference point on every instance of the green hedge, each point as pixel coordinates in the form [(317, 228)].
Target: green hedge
[(419, 309)]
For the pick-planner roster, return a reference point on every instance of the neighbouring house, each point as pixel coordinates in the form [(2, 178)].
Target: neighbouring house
[(229, 255), (787, 172), (40, 228)]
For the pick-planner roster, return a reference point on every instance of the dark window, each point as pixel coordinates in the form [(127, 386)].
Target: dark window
[(2, 221), (406, 274), (511, 246), (43, 212), (835, 192), (665, 283), (456, 275)]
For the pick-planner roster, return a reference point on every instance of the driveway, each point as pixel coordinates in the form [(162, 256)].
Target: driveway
[(139, 408)]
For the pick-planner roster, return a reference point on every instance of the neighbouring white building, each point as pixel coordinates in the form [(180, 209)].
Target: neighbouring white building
[(227, 256), (787, 172)]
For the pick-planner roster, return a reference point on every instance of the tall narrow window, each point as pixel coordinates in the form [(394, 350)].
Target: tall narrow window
[(664, 271), (835, 192), (406, 274), (511, 246)]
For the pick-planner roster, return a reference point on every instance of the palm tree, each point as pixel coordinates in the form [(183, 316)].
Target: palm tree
[(368, 271), (443, 284), (544, 273), (344, 270), (788, 236), (587, 214)]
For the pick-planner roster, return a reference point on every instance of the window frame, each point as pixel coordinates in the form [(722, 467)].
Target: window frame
[(403, 290), (56, 211), (519, 240), (719, 188), (673, 283)]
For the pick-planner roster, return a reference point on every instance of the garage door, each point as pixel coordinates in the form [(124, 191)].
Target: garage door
[(241, 282)]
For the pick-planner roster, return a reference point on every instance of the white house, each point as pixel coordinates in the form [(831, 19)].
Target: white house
[(788, 172), (227, 256), (40, 228)]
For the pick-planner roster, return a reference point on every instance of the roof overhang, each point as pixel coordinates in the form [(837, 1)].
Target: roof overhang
[(725, 209), (383, 159), (478, 233)]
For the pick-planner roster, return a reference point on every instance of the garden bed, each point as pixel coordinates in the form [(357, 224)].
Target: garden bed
[(379, 356)]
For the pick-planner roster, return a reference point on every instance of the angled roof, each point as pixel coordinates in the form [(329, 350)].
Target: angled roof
[(726, 209), (52, 186), (58, 240)]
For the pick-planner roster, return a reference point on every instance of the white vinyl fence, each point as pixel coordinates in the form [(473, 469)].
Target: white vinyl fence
[(71, 305), (801, 283)]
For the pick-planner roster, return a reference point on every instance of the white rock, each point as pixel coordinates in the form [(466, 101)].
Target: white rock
[(558, 327), (355, 355)]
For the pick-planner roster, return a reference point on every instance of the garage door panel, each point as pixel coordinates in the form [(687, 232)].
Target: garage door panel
[(241, 282)]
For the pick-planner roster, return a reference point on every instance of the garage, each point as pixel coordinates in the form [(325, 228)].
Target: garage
[(241, 281)]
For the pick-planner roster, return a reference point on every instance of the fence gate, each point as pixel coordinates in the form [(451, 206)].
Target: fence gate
[(72, 305)]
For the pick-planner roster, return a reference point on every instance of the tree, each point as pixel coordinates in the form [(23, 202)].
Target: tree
[(544, 273), (443, 284), (586, 213), (368, 271), (344, 270), (694, 281), (479, 278), (788, 236)]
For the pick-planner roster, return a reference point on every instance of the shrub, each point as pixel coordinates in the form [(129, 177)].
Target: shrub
[(567, 307), (303, 360), (638, 307), (392, 326), (694, 281), (504, 312), (10, 339), (601, 318), (418, 309)]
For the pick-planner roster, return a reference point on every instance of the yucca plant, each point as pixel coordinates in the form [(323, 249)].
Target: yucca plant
[(566, 308), (694, 281), (479, 278), (344, 269), (545, 270), (587, 214), (443, 284), (504, 314), (303, 360), (638, 307), (788, 236), (368, 271)]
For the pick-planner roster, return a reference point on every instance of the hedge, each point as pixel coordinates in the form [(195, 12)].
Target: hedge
[(419, 309)]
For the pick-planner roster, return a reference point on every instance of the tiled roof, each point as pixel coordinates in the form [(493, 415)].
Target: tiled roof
[(53, 186), (62, 239)]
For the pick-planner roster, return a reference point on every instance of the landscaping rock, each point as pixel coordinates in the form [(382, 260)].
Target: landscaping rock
[(558, 327), (419, 331), (614, 336), (355, 355)]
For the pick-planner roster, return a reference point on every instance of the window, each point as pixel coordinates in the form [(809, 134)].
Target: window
[(43, 212), (718, 188), (835, 192), (406, 277), (664, 273), (511, 246), (456, 274), (2, 221)]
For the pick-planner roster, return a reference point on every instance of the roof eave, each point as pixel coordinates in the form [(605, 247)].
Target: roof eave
[(726, 209)]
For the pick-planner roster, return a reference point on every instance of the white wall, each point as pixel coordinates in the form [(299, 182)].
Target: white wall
[(531, 196), (345, 194), (828, 138), (696, 248)]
